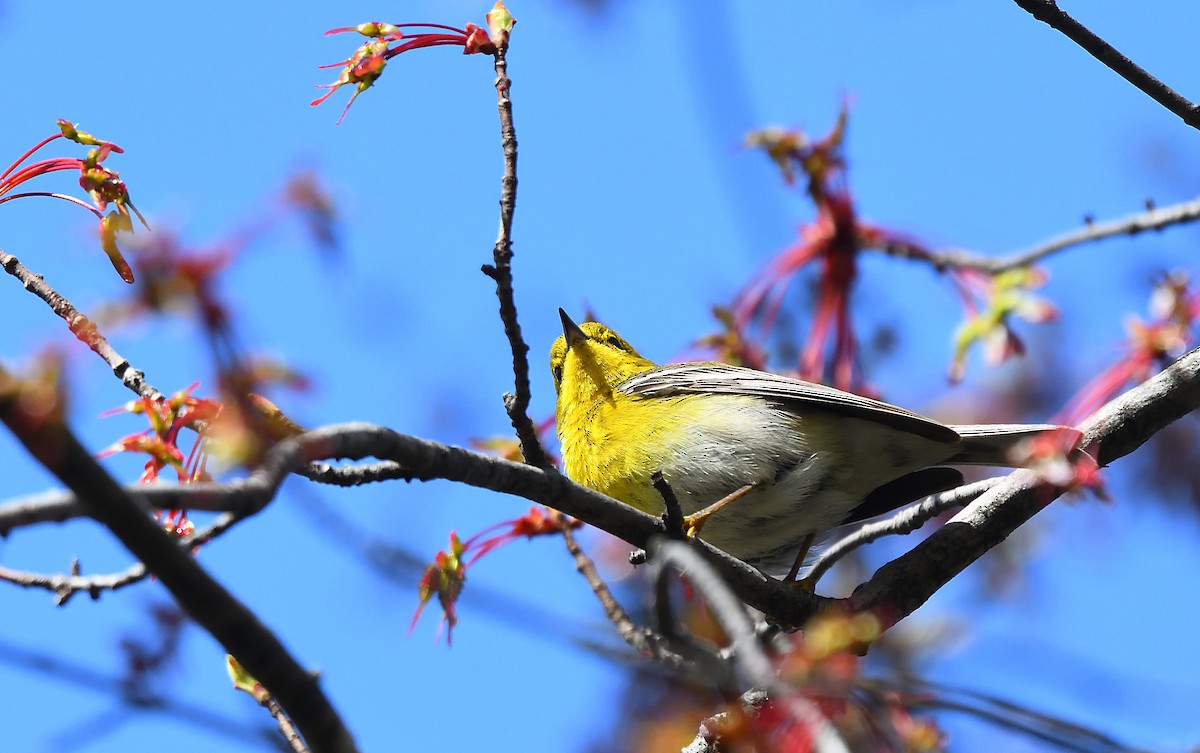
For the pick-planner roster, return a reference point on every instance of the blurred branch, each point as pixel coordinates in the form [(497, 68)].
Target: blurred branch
[(1151, 219), (1048, 12), (1005, 714), (81, 326), (1117, 429), (708, 739), (205, 600), (243, 497), (55, 666), (516, 404), (748, 656)]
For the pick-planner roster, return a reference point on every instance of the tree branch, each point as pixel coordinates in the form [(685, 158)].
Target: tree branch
[(1151, 219), (1048, 12), (645, 642), (427, 460), (903, 522), (205, 600), (1117, 429), (65, 586), (897, 589), (243, 498), (81, 326)]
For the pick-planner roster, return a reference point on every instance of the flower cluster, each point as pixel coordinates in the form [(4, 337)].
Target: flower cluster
[(103, 185), (385, 41), (834, 239), (446, 576), (1054, 457), (823, 670), (1151, 344), (168, 417)]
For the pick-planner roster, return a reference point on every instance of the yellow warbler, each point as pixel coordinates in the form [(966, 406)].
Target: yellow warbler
[(802, 458)]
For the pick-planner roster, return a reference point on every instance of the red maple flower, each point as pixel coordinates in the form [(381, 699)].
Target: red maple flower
[(103, 186), (1149, 345), (446, 576), (834, 239), (385, 41)]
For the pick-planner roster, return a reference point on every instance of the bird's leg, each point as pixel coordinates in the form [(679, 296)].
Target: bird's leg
[(791, 576), (694, 522)]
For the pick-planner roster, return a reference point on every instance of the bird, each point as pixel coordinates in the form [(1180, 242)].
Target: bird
[(760, 462)]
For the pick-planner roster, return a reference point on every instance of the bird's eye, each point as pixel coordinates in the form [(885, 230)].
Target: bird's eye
[(615, 341), (558, 374)]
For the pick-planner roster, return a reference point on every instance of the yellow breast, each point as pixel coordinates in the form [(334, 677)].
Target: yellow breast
[(614, 446)]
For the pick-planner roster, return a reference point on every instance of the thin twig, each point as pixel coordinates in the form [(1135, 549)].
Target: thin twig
[(81, 326), (205, 600), (903, 522), (1151, 219), (626, 627), (286, 728), (517, 403), (1048, 12), (65, 586), (645, 642)]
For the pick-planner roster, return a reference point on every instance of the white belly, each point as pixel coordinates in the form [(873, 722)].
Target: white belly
[(809, 473)]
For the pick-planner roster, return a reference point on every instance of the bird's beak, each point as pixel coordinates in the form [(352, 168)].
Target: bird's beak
[(571, 330)]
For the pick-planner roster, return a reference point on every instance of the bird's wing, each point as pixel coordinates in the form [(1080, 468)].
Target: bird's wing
[(719, 378)]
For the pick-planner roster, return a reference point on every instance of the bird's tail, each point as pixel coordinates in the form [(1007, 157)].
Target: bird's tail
[(990, 444)]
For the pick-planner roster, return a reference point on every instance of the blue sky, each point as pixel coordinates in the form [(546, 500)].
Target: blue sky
[(972, 126)]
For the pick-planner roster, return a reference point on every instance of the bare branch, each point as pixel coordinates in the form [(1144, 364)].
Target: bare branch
[(81, 326), (516, 404), (904, 522), (1048, 12), (1151, 219), (427, 460), (672, 511), (286, 728), (645, 642), (243, 497), (66, 586)]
